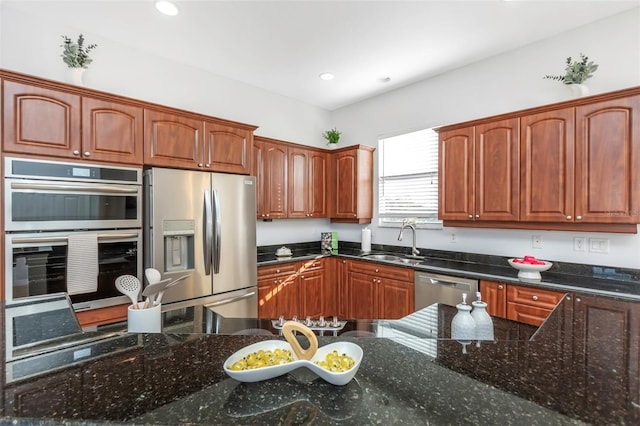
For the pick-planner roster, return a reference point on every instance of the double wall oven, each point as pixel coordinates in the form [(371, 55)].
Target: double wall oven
[(71, 227)]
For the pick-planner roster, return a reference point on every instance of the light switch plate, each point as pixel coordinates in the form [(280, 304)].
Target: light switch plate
[(599, 245)]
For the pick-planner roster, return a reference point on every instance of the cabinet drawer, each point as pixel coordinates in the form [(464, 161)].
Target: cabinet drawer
[(527, 314), (289, 268), (397, 273), (534, 297), (311, 265)]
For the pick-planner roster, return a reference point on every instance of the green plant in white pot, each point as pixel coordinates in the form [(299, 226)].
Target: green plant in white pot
[(332, 136), (576, 73), (76, 56)]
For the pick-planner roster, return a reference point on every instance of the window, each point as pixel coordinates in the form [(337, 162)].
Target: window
[(408, 179)]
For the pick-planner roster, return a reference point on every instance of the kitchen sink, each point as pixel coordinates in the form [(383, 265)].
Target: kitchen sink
[(392, 258)]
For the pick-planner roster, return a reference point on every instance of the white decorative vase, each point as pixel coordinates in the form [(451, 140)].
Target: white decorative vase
[(579, 90), (74, 76), (332, 145)]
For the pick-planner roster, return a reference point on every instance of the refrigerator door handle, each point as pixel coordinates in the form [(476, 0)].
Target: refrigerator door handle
[(230, 300), (207, 230), (217, 232)]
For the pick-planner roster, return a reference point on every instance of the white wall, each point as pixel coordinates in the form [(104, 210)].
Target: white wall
[(503, 83)]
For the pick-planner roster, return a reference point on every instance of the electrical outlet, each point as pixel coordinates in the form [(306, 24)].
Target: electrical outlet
[(599, 245), (453, 237), (579, 244), (536, 241)]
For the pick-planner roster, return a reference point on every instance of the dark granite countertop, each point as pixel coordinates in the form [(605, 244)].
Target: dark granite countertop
[(605, 280), (581, 365)]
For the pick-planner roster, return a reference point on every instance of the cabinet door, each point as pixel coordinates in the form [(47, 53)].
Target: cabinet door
[(40, 121), (363, 296), (345, 189), (495, 294), (111, 131), (396, 299), (337, 295), (547, 163), (227, 148), (608, 161), (312, 293), (530, 305), (267, 295), (172, 140), (456, 190), (274, 162), (258, 172), (606, 359), (497, 171), (298, 183), (57, 396), (318, 176)]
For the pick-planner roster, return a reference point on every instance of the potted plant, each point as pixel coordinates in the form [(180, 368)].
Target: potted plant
[(576, 73), (332, 136), (76, 56)]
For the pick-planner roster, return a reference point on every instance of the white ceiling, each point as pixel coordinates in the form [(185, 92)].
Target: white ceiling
[(282, 46)]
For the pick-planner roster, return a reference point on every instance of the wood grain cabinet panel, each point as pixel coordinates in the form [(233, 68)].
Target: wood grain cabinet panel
[(227, 148), (172, 140), (397, 298), (352, 185), (495, 294), (272, 161), (608, 161), (362, 291), (456, 174), (307, 183), (277, 290)]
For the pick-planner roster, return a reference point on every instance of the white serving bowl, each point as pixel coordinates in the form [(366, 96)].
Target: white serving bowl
[(529, 271), (265, 373)]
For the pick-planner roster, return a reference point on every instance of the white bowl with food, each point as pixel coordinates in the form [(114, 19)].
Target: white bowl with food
[(529, 267), (336, 363)]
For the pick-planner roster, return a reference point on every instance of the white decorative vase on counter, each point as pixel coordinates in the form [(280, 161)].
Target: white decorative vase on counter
[(75, 75), (332, 145), (579, 90)]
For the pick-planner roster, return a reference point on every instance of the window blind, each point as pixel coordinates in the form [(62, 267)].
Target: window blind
[(408, 176)]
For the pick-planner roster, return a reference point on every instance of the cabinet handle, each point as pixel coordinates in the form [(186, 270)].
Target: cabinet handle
[(207, 165), (373, 280), (302, 276), (87, 154), (200, 165), (355, 215), (377, 270), (277, 271), (500, 287), (578, 299), (535, 297), (578, 217), (470, 216), (477, 216), (568, 217), (267, 215), (310, 214), (76, 152)]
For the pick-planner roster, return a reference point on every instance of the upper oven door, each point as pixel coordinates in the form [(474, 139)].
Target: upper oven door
[(41, 205)]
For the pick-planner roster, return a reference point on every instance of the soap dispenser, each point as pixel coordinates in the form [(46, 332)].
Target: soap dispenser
[(484, 323), (463, 326)]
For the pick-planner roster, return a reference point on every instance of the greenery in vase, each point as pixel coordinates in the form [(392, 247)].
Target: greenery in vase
[(76, 55), (576, 72), (332, 136)]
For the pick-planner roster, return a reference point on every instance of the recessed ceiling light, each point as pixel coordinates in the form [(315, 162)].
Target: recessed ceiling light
[(326, 76), (167, 8)]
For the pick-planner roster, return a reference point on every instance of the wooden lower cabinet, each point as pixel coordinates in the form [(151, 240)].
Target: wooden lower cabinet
[(362, 296), (528, 305)]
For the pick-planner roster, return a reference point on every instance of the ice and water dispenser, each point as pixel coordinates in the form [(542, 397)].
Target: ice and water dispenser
[(179, 239)]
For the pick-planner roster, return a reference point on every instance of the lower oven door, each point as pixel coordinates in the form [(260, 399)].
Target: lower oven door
[(37, 264)]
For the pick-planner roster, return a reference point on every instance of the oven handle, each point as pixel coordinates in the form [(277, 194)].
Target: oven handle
[(60, 239), (84, 188)]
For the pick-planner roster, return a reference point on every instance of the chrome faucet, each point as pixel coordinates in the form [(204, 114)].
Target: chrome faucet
[(411, 224)]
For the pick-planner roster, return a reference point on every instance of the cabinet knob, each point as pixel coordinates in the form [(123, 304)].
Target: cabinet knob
[(477, 216), (470, 216), (200, 165), (500, 287), (267, 215), (373, 280), (568, 217), (76, 152), (578, 299), (377, 270), (207, 165), (302, 276), (355, 215), (277, 271), (535, 297), (87, 154), (578, 217)]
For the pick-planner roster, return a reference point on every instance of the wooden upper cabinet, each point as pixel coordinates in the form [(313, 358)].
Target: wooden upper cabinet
[(40, 121), (608, 161), (227, 148), (456, 174), (351, 189), (272, 168), (307, 183), (479, 169), (111, 131), (547, 166), (172, 140), (497, 170)]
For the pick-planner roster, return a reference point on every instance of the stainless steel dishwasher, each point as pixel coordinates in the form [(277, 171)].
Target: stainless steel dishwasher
[(433, 288)]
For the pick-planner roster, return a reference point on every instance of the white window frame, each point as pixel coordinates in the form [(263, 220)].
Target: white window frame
[(389, 219)]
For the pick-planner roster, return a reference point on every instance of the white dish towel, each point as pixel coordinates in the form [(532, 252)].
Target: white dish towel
[(82, 263)]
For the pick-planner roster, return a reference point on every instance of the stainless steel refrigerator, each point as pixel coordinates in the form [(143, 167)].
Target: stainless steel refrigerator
[(203, 224)]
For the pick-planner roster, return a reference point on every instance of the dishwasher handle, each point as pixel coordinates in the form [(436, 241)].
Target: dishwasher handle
[(453, 284)]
